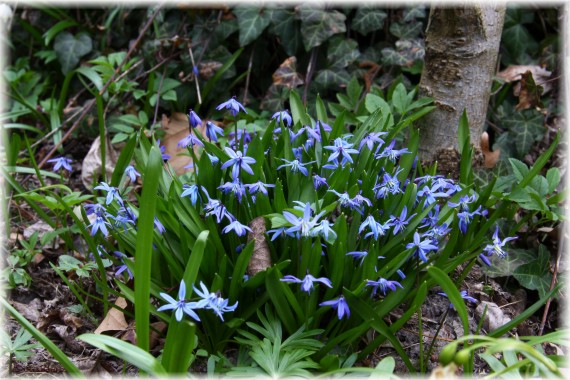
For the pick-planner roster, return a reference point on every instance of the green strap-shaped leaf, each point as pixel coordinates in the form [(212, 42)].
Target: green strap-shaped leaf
[(144, 248), (126, 351)]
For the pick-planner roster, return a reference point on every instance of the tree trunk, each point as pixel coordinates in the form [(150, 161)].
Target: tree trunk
[(462, 45)]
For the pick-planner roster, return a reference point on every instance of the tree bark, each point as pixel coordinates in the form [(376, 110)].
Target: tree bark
[(462, 45)]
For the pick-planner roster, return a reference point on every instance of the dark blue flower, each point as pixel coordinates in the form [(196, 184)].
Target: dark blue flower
[(258, 187), (422, 246), (193, 119), (498, 244), (99, 224), (319, 181), (236, 187), (112, 193), (392, 154), (372, 138), (376, 229), (399, 222), (341, 149), (190, 140)]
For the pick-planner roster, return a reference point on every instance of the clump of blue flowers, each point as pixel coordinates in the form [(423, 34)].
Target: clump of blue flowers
[(332, 217)]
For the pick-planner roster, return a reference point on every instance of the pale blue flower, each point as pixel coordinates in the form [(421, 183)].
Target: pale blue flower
[(180, 306), (238, 161), (212, 131), (382, 284), (339, 305), (307, 283), (61, 162), (233, 106), (191, 191), (132, 173), (497, 246), (237, 227)]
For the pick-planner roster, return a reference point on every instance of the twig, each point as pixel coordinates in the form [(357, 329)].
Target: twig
[(166, 60), (310, 70), (111, 80), (195, 74), (547, 306), (249, 65)]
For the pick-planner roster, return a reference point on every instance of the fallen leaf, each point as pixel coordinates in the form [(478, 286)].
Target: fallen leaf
[(287, 75), (491, 158), (31, 310), (529, 94), (494, 318), (156, 330), (515, 73), (41, 228), (208, 69), (115, 319), (91, 167), (176, 129)]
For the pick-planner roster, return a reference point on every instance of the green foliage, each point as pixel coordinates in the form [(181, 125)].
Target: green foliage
[(69, 49), (19, 348)]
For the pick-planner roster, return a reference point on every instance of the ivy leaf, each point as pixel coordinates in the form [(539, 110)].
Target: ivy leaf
[(406, 31), (332, 78), (226, 28), (318, 25), (70, 49), (527, 127), (517, 41), (535, 275), (393, 58), (368, 19), (287, 28), (251, 22), (414, 13), (342, 51)]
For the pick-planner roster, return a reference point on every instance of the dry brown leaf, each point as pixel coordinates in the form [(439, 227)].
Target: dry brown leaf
[(91, 167), (115, 319), (444, 372), (287, 75), (31, 310), (514, 73), (157, 329), (261, 257), (529, 94), (176, 129), (491, 158)]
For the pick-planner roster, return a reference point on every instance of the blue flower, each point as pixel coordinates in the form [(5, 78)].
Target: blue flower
[(216, 208), (302, 226), (213, 301), (232, 105), (392, 154), (95, 208), (463, 295), (122, 219), (344, 200), (390, 185), (296, 166), (162, 150), (236, 187), (99, 225), (319, 181), (191, 191), (339, 305), (464, 202), (430, 193), (372, 138), (159, 226), (238, 161), (307, 282), (498, 244), (465, 218), (181, 306), (399, 222), (382, 284), (376, 229), (212, 131), (358, 255), (237, 227), (123, 267), (283, 116), (190, 140), (258, 187), (422, 247), (112, 192), (324, 229), (341, 149), (213, 158), (61, 162), (132, 173), (193, 119)]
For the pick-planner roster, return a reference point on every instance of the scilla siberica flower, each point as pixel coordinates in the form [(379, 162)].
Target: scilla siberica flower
[(212, 131), (112, 192), (307, 282), (238, 161), (339, 305), (302, 226), (382, 284), (191, 191), (498, 244), (132, 173), (283, 116), (237, 227), (190, 140), (296, 166), (193, 119), (341, 149), (213, 301), (61, 162), (232, 105), (463, 294), (422, 247), (180, 306)]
